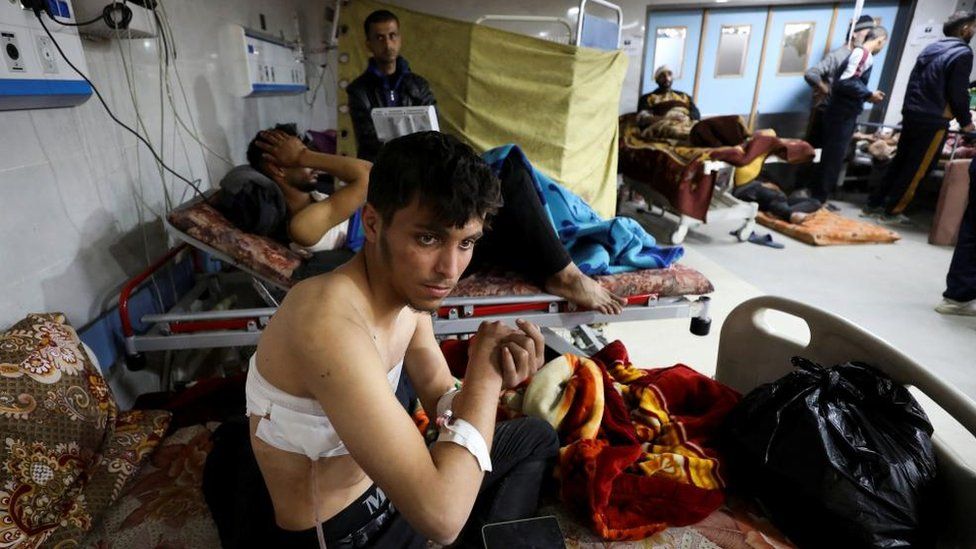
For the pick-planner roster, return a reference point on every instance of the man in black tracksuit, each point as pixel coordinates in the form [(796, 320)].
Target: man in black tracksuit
[(844, 104), (937, 92), (386, 82)]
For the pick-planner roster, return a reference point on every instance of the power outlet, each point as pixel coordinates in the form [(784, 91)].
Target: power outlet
[(12, 54), (46, 53)]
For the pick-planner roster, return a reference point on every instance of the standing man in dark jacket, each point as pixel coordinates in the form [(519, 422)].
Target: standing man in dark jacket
[(845, 103), (820, 77), (386, 82), (937, 92)]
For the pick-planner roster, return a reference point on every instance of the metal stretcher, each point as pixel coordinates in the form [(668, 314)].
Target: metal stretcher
[(184, 327)]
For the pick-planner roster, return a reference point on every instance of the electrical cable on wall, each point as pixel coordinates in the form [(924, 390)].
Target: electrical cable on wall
[(37, 13), (166, 34)]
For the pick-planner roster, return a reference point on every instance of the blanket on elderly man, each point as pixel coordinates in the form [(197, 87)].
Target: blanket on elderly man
[(637, 445), (597, 246), (677, 171)]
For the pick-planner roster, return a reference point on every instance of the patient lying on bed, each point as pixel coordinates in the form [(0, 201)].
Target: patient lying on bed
[(521, 239), (283, 202)]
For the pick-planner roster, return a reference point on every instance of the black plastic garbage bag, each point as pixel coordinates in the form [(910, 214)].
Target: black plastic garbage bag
[(837, 457)]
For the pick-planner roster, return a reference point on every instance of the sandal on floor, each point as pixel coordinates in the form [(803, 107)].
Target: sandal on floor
[(765, 240)]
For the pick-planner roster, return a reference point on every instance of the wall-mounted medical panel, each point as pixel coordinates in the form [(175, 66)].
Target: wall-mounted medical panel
[(131, 19), (258, 65), (33, 75)]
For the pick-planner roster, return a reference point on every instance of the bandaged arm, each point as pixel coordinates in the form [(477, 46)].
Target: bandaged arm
[(434, 488)]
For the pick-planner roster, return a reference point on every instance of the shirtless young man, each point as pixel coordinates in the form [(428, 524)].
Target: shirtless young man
[(334, 445)]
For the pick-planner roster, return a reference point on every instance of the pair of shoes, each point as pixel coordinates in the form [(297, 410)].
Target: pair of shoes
[(896, 219), (953, 307), (870, 212)]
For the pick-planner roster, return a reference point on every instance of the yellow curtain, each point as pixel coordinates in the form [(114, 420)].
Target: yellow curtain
[(559, 103)]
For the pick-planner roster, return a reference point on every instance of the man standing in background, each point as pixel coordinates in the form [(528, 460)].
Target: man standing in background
[(386, 82), (820, 77), (938, 90), (846, 102), (960, 295)]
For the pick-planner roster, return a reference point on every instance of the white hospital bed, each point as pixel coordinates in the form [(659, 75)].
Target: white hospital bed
[(751, 352)]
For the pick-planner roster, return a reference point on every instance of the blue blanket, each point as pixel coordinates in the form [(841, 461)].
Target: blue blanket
[(597, 246)]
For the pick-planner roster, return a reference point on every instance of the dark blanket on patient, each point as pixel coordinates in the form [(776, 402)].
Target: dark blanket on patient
[(719, 131), (677, 172)]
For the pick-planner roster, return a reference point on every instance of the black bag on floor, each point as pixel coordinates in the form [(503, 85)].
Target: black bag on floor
[(838, 457)]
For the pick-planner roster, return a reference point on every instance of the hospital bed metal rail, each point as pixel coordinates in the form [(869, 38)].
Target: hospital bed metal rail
[(182, 328), (752, 351), (722, 207)]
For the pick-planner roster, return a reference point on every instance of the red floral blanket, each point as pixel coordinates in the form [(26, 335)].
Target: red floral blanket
[(637, 451)]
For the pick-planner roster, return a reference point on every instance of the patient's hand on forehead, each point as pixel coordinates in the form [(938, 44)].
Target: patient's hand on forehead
[(281, 149)]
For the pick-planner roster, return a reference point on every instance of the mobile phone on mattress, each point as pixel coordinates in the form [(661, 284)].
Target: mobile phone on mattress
[(530, 533)]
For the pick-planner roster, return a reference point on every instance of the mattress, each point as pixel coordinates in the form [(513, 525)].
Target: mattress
[(276, 262), (825, 228)]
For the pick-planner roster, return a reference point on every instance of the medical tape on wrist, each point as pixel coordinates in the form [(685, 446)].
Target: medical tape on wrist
[(464, 434), (446, 402)]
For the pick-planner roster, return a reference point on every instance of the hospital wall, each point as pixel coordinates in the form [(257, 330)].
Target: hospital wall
[(927, 13), (81, 204)]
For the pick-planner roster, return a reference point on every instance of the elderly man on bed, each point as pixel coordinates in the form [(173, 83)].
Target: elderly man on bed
[(544, 259), (664, 98)]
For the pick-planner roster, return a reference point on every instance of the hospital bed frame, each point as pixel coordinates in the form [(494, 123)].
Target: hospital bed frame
[(723, 206), (751, 352), (859, 158), (183, 328), (574, 39)]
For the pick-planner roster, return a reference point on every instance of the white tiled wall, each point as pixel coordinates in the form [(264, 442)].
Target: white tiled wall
[(76, 191)]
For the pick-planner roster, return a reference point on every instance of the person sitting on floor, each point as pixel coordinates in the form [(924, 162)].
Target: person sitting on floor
[(664, 98), (522, 239), (344, 464)]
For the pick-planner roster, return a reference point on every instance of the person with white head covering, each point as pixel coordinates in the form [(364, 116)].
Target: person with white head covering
[(665, 98)]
